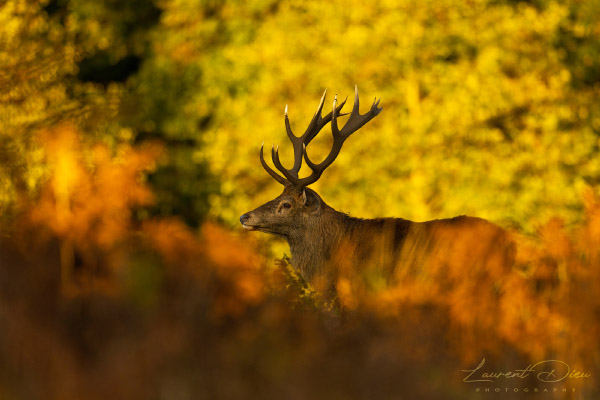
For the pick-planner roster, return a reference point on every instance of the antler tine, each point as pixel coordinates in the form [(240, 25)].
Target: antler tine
[(355, 122), (314, 122), (338, 141), (274, 174), (314, 127), (297, 144), (277, 163), (324, 120)]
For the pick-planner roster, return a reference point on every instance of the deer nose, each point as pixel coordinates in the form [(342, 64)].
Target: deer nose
[(244, 218)]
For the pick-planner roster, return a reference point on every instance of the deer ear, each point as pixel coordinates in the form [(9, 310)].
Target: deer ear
[(303, 197), (309, 201)]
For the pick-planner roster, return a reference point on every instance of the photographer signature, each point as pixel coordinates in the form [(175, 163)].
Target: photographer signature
[(544, 371)]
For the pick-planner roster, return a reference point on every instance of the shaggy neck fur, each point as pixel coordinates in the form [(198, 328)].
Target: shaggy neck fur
[(313, 245)]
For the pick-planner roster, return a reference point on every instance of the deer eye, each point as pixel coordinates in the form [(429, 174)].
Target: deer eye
[(287, 205)]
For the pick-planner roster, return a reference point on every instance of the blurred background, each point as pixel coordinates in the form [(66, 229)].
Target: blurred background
[(129, 139)]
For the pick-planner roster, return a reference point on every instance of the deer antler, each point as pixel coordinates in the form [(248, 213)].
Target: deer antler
[(354, 123)]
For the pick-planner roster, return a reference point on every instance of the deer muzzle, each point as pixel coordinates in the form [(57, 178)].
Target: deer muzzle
[(244, 219)]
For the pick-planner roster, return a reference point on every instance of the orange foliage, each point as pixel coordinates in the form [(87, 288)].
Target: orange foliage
[(541, 303), (89, 197), (215, 251), (161, 297)]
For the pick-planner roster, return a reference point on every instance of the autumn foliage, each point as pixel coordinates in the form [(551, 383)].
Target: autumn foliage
[(129, 137), (96, 306)]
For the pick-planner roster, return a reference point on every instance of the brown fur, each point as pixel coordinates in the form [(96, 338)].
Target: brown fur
[(323, 240)]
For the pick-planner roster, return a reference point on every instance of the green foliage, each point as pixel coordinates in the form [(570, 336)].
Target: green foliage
[(302, 295)]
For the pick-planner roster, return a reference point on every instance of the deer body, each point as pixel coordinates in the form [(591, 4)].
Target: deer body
[(324, 241), (358, 240)]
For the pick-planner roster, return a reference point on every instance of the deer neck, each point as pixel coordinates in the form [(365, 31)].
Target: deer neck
[(312, 246)]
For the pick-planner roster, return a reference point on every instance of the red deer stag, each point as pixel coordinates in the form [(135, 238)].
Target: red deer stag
[(320, 238)]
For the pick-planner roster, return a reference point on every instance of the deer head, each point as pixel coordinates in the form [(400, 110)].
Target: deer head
[(297, 207)]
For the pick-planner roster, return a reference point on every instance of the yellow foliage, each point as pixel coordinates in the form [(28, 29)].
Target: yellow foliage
[(476, 99), (490, 109)]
